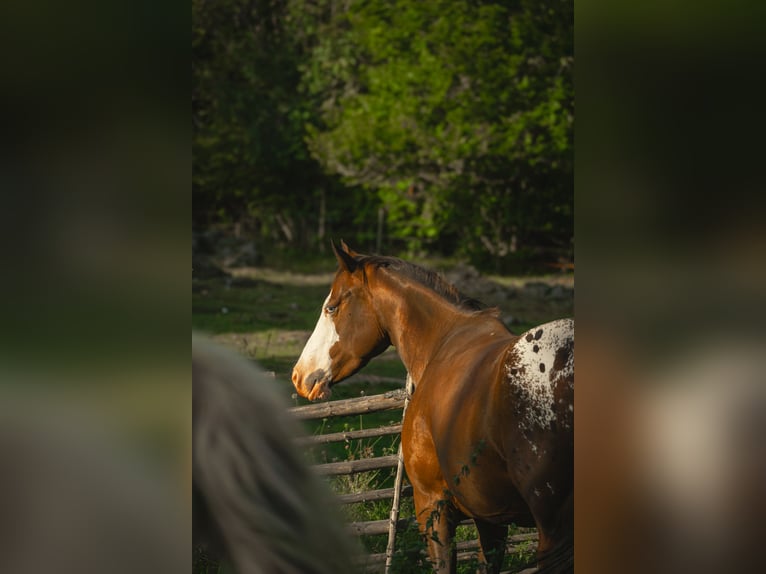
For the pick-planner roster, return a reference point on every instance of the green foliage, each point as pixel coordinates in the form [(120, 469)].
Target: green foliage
[(410, 555), (455, 117), (458, 115), (250, 164)]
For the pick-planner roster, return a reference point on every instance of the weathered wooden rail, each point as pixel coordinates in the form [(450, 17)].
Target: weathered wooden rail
[(391, 400), (388, 401), (349, 435), (354, 466)]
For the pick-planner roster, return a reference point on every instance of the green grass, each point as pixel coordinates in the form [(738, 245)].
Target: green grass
[(254, 305)]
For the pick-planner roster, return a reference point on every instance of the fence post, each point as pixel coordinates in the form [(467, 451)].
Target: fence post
[(410, 387)]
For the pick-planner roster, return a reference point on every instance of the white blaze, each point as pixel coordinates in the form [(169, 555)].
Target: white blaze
[(316, 353)]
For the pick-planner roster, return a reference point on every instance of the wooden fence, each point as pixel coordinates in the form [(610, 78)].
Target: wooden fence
[(391, 400)]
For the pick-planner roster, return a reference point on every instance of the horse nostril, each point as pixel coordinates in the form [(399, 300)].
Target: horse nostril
[(295, 377)]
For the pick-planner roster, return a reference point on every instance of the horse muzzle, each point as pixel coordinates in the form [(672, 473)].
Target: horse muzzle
[(314, 387)]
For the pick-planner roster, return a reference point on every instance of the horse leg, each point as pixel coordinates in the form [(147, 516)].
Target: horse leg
[(491, 546), (438, 521)]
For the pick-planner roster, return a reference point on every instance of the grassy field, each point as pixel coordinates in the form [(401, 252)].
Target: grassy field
[(267, 315)]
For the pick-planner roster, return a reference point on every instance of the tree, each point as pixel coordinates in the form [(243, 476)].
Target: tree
[(250, 162), (308, 116), (458, 115)]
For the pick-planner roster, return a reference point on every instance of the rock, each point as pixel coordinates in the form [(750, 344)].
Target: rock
[(204, 268), (244, 255), (536, 289), (462, 272), (510, 293), (206, 242), (561, 292)]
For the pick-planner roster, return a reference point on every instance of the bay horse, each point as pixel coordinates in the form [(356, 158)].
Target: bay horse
[(489, 430)]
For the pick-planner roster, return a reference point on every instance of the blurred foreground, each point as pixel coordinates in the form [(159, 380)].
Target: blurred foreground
[(671, 404), (87, 488)]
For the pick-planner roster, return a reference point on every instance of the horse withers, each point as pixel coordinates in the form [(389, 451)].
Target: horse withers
[(489, 431)]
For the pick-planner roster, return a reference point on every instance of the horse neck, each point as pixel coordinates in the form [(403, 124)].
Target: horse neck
[(416, 320)]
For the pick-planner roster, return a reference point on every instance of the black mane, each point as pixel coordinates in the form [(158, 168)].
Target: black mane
[(425, 277)]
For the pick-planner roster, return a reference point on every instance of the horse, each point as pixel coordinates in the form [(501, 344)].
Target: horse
[(256, 503), (489, 431)]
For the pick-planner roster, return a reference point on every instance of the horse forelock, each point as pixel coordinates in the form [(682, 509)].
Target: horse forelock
[(430, 279)]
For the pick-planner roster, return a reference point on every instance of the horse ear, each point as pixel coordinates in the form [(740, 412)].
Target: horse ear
[(345, 259), (347, 249)]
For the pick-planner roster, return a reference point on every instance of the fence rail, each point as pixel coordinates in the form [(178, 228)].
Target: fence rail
[(355, 466), (389, 401), (348, 435), (380, 494)]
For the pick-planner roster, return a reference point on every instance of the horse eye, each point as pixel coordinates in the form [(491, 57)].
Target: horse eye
[(331, 308)]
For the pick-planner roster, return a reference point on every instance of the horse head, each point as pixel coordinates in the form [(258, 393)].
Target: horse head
[(347, 335)]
